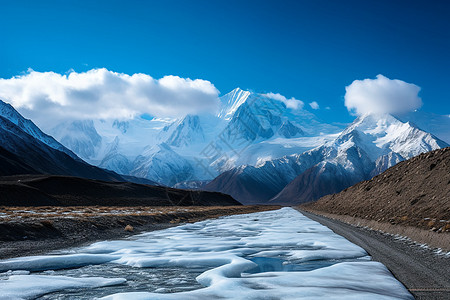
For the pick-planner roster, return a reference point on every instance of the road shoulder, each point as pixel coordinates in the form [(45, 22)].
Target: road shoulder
[(424, 273)]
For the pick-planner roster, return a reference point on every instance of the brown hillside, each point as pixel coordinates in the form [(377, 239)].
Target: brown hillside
[(415, 192)]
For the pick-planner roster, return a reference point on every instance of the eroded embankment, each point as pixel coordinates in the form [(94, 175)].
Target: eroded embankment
[(35, 230)]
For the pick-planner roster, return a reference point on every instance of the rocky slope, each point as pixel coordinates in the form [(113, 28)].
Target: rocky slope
[(415, 192)]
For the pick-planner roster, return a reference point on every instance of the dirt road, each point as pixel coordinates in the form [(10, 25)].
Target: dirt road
[(424, 273)]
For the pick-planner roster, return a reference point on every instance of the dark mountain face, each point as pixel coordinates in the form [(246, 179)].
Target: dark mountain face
[(326, 178), (313, 184), (247, 188), (27, 126), (11, 164)]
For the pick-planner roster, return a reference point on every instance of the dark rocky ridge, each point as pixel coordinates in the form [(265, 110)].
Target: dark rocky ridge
[(46, 190)]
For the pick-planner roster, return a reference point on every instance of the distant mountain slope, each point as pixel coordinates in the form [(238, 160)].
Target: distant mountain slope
[(80, 136), (9, 113), (26, 149), (186, 132), (39, 190), (370, 145), (415, 192), (163, 165)]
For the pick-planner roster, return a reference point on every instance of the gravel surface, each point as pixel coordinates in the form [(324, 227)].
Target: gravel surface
[(424, 273)]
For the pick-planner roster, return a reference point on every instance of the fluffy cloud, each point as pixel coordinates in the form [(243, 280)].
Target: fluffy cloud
[(314, 105), (382, 95), (291, 103), (103, 94)]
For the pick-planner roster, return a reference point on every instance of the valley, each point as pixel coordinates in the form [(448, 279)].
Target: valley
[(232, 150)]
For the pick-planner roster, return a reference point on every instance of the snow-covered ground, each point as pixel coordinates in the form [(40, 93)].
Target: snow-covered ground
[(269, 255)]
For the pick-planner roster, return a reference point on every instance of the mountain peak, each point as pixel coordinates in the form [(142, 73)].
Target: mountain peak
[(372, 123), (231, 102), (379, 134)]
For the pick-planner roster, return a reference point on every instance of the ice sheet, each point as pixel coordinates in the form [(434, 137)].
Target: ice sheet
[(32, 286)]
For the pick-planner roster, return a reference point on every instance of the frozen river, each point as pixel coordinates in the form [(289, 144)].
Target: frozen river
[(268, 255)]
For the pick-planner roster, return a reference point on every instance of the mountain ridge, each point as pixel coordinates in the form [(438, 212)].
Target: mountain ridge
[(247, 124), (370, 145)]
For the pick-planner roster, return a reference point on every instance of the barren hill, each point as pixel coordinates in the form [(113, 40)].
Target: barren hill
[(44, 190)]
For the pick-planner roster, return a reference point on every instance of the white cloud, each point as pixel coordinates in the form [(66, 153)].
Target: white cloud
[(314, 105), (382, 95), (103, 94), (291, 103)]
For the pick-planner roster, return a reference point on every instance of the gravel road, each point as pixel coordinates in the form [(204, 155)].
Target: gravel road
[(425, 274)]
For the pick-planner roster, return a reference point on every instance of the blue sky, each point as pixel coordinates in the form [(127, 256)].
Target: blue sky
[(309, 50)]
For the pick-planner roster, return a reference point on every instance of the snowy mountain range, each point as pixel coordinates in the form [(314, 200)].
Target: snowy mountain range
[(257, 148), (249, 129), (370, 145)]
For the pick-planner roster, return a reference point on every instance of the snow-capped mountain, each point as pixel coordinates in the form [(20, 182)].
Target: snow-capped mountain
[(231, 102), (260, 119), (370, 145), (255, 143), (9, 113), (25, 149), (80, 136), (114, 160), (186, 132), (250, 128), (256, 148), (437, 124), (163, 165)]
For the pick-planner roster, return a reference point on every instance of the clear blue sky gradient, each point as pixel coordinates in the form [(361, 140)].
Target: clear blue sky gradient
[(309, 50)]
